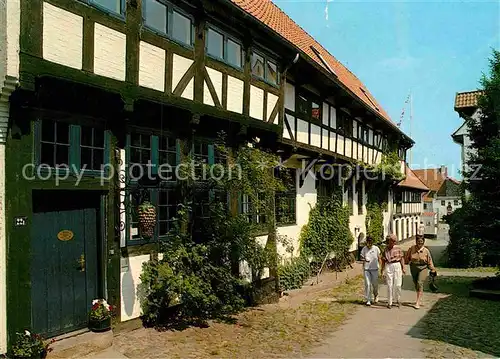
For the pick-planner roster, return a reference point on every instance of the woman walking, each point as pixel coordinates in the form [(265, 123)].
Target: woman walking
[(370, 255), (420, 260), (393, 268)]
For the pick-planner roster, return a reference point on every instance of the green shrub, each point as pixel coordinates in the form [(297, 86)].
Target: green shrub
[(464, 249), (327, 231), (293, 274)]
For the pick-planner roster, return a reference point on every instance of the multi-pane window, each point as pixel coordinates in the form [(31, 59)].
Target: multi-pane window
[(254, 212), (264, 68), (54, 143), (344, 124), (71, 146), (308, 108), (161, 17), (113, 6), (285, 202), (92, 148), (167, 210), (222, 47), (140, 155)]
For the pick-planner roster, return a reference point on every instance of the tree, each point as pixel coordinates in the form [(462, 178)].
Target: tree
[(483, 171)]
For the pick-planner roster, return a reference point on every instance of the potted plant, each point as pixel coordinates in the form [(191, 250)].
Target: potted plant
[(30, 345), (147, 219), (100, 316)]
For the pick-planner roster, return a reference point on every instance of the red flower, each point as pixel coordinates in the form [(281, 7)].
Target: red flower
[(110, 308)]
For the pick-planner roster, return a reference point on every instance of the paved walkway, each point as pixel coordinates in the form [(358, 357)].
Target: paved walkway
[(378, 332)]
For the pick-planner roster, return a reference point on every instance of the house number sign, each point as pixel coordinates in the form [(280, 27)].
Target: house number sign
[(65, 235)]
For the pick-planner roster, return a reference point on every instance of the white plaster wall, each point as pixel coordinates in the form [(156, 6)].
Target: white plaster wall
[(325, 140), (109, 52), (234, 94), (348, 147), (256, 102), (151, 66), (302, 131), (189, 90), (131, 268), (333, 117), (180, 65), (271, 103), (11, 28), (216, 78), (291, 123), (340, 144), (442, 209), (333, 141), (207, 96), (62, 36), (315, 135)]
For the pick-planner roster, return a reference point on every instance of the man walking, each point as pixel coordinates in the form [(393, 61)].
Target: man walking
[(370, 255), (393, 268)]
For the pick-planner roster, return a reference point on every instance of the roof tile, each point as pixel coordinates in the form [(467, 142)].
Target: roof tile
[(412, 180), (467, 99), (271, 15)]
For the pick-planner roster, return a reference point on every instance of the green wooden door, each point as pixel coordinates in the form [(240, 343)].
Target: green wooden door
[(64, 270)]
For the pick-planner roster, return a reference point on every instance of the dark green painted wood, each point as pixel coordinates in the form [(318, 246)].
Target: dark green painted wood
[(224, 91), (199, 60), (31, 27), (61, 290), (88, 44)]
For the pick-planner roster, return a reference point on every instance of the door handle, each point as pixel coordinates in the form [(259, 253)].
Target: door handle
[(81, 261)]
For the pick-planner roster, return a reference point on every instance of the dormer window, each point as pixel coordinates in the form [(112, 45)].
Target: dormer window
[(264, 68), (223, 47)]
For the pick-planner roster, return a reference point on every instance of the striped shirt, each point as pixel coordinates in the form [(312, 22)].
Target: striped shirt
[(395, 254)]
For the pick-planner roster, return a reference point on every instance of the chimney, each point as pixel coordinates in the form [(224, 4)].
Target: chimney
[(444, 171)]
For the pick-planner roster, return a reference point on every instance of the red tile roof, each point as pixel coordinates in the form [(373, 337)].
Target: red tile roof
[(272, 16), (412, 180), (432, 177), (429, 214), (467, 99)]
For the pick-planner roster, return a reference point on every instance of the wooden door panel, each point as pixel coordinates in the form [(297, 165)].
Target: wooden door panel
[(61, 291)]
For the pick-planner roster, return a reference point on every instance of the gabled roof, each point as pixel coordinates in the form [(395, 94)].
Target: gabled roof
[(412, 180), (432, 177), (273, 17), (467, 99)]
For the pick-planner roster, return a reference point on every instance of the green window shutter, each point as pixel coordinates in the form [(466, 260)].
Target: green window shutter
[(107, 152)]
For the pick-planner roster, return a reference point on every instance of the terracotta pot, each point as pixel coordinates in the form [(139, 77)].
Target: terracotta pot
[(100, 325)]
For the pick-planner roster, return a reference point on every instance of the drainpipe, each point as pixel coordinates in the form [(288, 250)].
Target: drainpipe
[(8, 87)]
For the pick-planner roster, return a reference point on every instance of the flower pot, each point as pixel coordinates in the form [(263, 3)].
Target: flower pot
[(102, 325)]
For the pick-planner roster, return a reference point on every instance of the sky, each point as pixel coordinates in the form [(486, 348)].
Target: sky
[(432, 49)]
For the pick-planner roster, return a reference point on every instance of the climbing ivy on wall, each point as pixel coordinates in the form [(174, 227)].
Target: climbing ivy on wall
[(376, 204), (327, 232)]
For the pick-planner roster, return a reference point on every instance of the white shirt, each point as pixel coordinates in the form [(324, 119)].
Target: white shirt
[(421, 229), (370, 256)]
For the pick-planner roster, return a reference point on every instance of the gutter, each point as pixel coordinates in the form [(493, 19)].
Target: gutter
[(317, 66)]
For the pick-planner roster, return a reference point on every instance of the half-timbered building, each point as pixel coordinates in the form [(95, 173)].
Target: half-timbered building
[(90, 87)]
